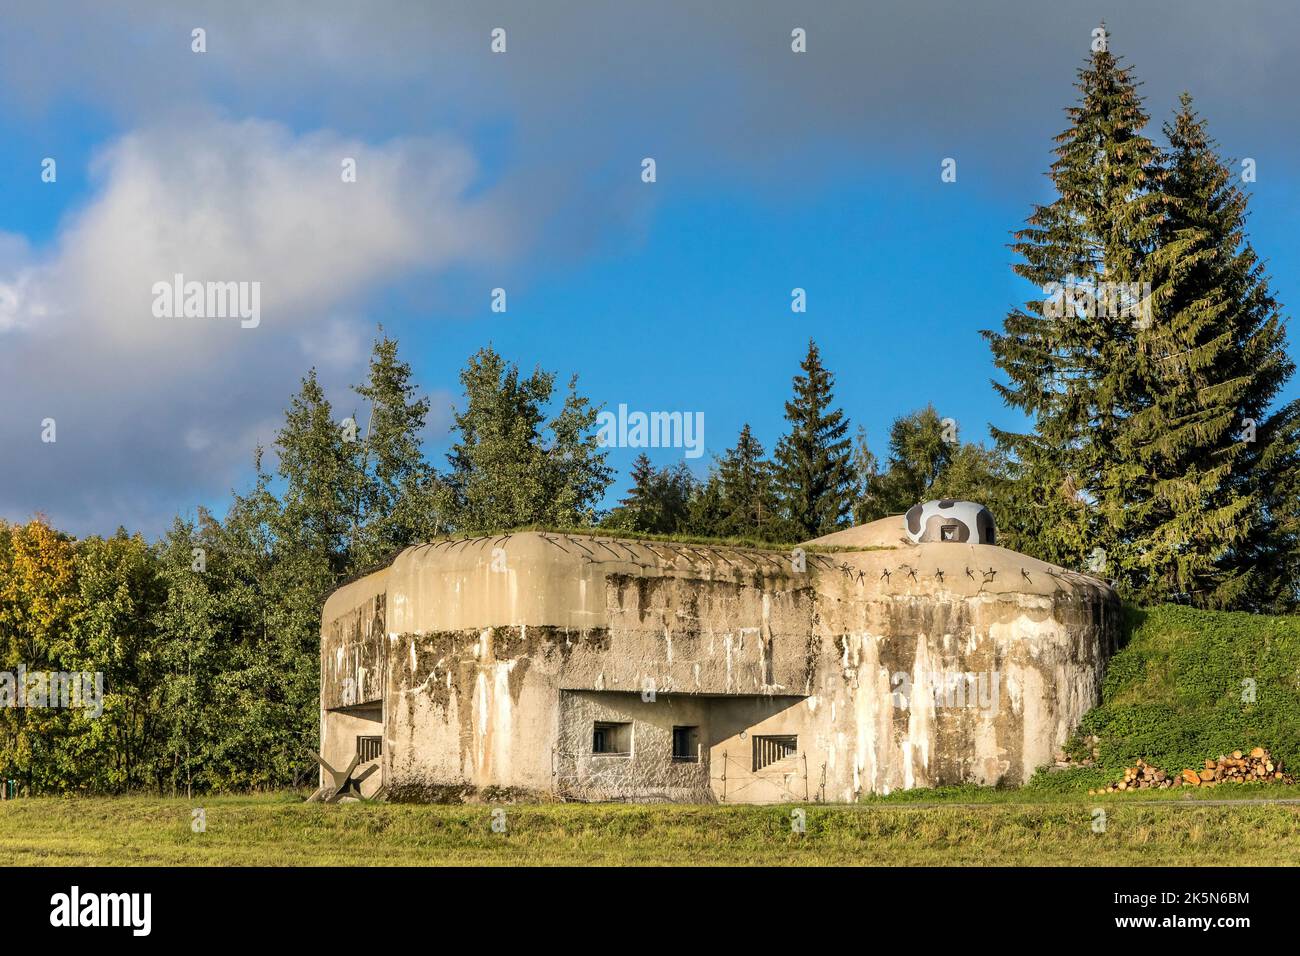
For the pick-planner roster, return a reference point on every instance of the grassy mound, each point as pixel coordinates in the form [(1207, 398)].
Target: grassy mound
[(1189, 685)]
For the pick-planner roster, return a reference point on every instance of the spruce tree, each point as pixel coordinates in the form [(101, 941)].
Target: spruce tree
[(576, 472), (312, 535), (510, 467), (633, 512), (814, 468), (1071, 355), (749, 507), (658, 502), (395, 503), (495, 480), (1205, 451), (319, 467), (705, 510), (1272, 547)]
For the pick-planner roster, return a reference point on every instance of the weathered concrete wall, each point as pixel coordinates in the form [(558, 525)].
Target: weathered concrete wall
[(496, 656), (352, 645), (982, 688), (648, 772), (736, 721), (340, 745), (352, 674)]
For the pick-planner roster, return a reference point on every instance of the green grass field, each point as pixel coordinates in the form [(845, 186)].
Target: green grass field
[(961, 826)]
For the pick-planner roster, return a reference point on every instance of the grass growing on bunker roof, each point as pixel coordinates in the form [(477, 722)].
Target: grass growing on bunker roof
[(727, 542), (753, 544)]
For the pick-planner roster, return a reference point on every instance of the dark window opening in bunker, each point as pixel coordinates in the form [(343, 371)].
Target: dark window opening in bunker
[(686, 744), (769, 750), (948, 533), (369, 748), (612, 739)]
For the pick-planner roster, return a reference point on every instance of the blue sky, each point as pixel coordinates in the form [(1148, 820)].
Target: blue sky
[(522, 170)]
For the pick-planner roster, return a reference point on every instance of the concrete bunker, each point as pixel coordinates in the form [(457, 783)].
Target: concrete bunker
[(563, 666)]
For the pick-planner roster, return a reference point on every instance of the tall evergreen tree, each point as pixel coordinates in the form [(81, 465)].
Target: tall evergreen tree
[(495, 479), (705, 510), (1071, 358), (814, 468), (1272, 546), (319, 467), (575, 468), (1216, 355), (312, 544), (396, 503), (510, 467), (750, 508), (657, 503)]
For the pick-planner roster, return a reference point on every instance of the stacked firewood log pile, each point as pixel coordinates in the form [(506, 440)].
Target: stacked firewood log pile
[(1255, 767)]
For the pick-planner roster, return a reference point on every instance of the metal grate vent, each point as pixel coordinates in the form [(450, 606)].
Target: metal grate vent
[(771, 749)]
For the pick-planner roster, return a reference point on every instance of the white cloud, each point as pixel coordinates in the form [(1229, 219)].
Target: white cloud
[(20, 306), (157, 412), (336, 342), (249, 201)]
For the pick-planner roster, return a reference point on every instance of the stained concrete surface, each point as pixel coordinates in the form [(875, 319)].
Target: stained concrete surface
[(491, 660)]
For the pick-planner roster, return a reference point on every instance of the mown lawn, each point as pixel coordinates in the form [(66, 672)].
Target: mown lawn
[(959, 827)]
